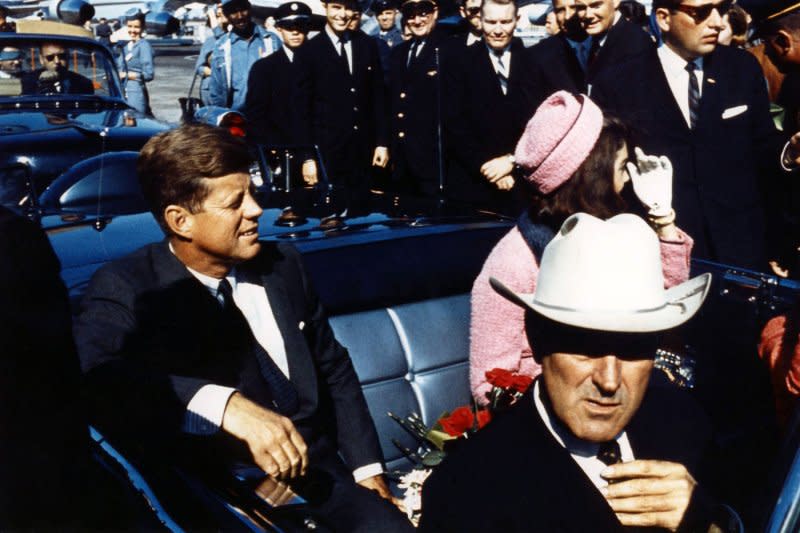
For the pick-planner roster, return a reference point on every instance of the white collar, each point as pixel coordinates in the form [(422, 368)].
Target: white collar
[(472, 38), (673, 64), (289, 53), (210, 282), (335, 39)]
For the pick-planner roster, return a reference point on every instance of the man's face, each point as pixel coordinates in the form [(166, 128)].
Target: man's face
[(338, 15), (595, 396), (420, 16), (687, 32), (293, 33), (471, 11), (551, 24), (596, 16), (224, 230), (355, 21), (498, 23), (568, 20), (386, 19), (12, 65), (223, 20), (53, 57), (239, 16)]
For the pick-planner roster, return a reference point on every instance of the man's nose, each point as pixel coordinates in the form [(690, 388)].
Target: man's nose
[(715, 19), (607, 376), (251, 207)]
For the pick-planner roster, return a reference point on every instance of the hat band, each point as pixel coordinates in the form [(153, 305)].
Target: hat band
[(678, 302), (783, 12)]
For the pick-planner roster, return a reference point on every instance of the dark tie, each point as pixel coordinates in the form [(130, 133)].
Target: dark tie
[(694, 94), (609, 453), (343, 52), (412, 53), (284, 395), (594, 50)]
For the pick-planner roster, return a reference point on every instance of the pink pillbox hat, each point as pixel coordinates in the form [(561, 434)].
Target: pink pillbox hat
[(557, 139)]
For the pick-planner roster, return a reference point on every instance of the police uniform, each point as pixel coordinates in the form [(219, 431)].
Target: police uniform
[(231, 61), (204, 59), (393, 36)]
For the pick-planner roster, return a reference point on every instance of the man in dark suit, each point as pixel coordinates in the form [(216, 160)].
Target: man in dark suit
[(469, 29), (593, 37), (415, 95), (487, 105), (54, 77), (711, 121), (590, 447), (213, 343), (272, 83), (341, 100)]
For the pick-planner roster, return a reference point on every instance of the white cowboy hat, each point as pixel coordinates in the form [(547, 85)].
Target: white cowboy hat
[(607, 276)]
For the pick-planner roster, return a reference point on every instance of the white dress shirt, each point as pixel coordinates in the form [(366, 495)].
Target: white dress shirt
[(674, 67), (505, 69), (348, 46), (582, 452)]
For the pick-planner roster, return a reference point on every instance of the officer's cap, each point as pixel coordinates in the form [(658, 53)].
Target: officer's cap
[(9, 53), (764, 11), (379, 6), (292, 11)]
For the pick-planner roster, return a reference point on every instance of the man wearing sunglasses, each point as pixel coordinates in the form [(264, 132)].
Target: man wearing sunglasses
[(470, 11), (594, 37), (272, 82), (341, 101), (706, 108), (54, 76)]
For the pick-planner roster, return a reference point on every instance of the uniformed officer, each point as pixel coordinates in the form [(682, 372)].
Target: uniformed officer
[(271, 87), (202, 66), (341, 103), (235, 53), (386, 15), (414, 88)]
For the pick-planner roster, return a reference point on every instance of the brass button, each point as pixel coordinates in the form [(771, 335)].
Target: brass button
[(401, 134), (401, 115), (402, 95), (355, 127)]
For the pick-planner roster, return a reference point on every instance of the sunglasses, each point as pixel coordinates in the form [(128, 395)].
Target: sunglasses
[(52, 57), (417, 9), (701, 13), (472, 11)]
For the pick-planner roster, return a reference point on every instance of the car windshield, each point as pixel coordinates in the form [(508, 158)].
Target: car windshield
[(47, 67)]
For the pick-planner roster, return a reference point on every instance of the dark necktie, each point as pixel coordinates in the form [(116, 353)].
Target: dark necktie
[(609, 453), (284, 395), (412, 53), (593, 50), (343, 52), (694, 94)]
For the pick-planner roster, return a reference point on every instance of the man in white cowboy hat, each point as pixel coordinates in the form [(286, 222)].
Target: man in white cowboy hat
[(546, 465)]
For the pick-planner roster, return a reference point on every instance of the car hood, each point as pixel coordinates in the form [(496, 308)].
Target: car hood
[(16, 125)]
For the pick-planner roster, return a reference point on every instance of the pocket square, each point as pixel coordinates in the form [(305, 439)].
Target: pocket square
[(301, 325), (734, 111)]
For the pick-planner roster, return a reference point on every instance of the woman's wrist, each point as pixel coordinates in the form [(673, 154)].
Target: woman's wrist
[(664, 226)]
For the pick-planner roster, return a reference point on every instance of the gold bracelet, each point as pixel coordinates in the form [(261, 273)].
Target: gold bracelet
[(660, 222)]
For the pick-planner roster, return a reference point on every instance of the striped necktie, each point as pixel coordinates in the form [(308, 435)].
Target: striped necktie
[(502, 72), (694, 94)]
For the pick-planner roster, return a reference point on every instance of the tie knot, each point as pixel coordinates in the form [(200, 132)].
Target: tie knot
[(691, 67), (609, 453), (225, 290)]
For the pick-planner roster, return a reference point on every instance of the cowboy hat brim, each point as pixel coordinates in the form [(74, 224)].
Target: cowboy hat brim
[(682, 302)]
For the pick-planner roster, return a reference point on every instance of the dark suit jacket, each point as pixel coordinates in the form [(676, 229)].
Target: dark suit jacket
[(514, 476), (344, 114), (71, 83), (271, 89), (43, 432), (554, 67), (415, 97), (150, 335), (718, 165), (480, 121)]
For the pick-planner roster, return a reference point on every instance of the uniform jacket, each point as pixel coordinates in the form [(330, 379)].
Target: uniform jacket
[(271, 89), (231, 61), (716, 173), (415, 97), (554, 66), (393, 37), (480, 121), (343, 113), (203, 57), (514, 476), (150, 335), (138, 59)]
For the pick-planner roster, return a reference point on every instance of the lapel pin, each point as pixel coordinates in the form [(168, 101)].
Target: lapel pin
[(711, 80)]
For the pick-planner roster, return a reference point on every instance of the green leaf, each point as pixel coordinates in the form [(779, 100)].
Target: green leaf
[(433, 458), (438, 438)]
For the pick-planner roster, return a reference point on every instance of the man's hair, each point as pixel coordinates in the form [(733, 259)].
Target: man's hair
[(500, 3), (172, 165), (633, 11), (668, 4), (591, 188)]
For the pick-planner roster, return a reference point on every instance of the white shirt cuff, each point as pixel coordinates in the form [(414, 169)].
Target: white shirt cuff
[(363, 472), (784, 166), (205, 410)]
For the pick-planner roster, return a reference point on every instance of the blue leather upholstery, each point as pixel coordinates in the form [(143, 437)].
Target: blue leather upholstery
[(409, 358)]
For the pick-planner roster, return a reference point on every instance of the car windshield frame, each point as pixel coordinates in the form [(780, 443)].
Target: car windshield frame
[(85, 55)]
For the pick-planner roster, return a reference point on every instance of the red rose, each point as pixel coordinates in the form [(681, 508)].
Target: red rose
[(484, 417), (500, 377), (521, 383), (459, 421)]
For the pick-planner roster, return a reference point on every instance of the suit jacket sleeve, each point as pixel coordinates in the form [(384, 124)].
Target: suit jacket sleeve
[(257, 102), (301, 105), (461, 140), (121, 386), (357, 439)]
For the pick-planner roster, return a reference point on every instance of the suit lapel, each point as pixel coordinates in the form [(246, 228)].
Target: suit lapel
[(672, 118), (486, 71), (572, 70), (709, 99)]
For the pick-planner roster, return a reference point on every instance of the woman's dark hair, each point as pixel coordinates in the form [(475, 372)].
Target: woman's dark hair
[(138, 16), (591, 188)]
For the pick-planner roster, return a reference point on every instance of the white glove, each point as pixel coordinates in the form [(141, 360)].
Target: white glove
[(652, 182)]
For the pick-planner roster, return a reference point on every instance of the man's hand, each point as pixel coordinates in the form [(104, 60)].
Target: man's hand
[(506, 183), (309, 172), (381, 157), (275, 444), (792, 155), (378, 484), (649, 493), (497, 168)]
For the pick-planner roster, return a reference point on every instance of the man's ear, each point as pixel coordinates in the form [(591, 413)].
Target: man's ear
[(781, 43), (663, 18), (179, 220)]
